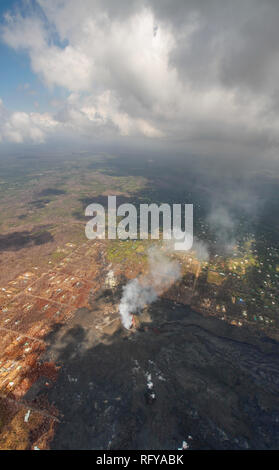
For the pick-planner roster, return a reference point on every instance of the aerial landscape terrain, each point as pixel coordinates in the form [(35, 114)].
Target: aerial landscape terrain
[(208, 344), (128, 343)]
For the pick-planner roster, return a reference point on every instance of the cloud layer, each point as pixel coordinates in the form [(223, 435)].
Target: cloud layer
[(201, 74)]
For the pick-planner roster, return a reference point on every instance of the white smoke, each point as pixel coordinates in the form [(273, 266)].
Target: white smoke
[(222, 223), (163, 272), (139, 292), (135, 297), (201, 251)]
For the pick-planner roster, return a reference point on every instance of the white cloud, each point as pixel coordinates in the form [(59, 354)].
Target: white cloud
[(140, 69), (19, 126)]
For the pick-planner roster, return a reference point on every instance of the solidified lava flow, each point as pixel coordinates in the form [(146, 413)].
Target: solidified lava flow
[(179, 377)]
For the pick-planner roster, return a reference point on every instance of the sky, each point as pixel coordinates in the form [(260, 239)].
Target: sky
[(199, 76)]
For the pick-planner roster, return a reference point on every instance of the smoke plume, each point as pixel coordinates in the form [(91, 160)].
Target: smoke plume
[(223, 225), (139, 292), (200, 249)]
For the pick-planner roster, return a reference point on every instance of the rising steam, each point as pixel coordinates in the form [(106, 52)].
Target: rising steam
[(135, 297), (200, 249), (138, 293)]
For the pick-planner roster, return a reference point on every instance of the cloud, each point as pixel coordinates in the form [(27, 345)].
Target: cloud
[(201, 74), (19, 127)]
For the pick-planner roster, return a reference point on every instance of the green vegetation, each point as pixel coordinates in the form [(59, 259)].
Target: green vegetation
[(58, 256), (127, 251), (215, 278)]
